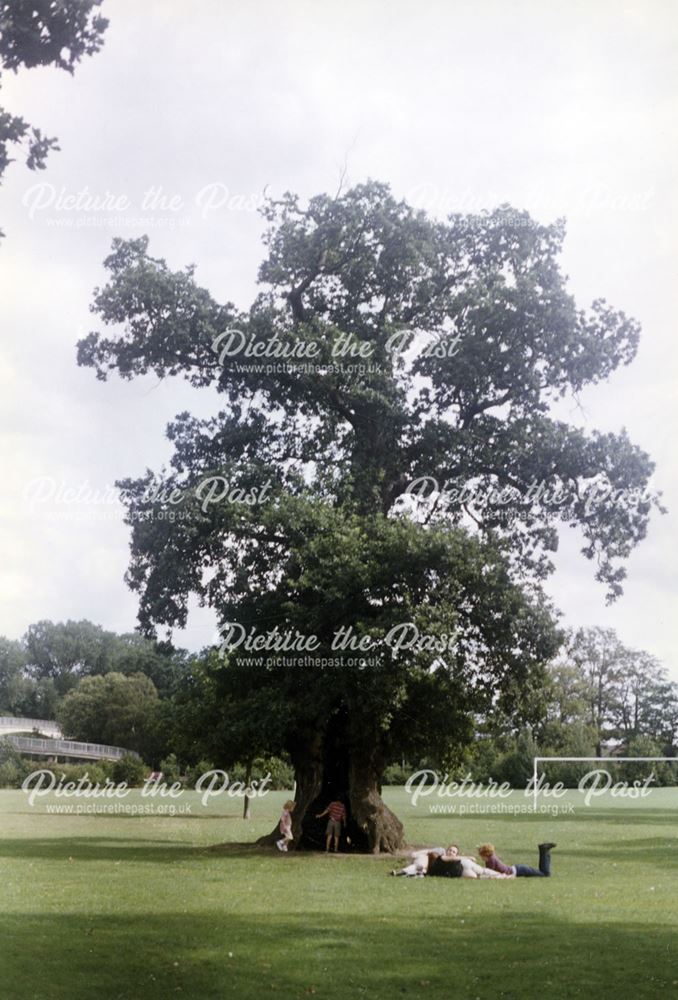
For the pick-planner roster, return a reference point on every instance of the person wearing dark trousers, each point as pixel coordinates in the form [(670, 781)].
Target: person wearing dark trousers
[(489, 856)]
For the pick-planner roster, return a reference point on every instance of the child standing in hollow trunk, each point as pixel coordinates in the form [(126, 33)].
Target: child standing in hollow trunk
[(337, 816), (285, 826)]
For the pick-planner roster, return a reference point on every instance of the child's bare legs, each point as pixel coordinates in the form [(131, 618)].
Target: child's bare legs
[(284, 841)]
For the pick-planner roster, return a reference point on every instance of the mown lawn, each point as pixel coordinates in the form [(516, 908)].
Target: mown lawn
[(121, 907)]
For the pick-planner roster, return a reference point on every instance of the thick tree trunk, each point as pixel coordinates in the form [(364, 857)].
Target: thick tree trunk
[(383, 829), (308, 775), (332, 766)]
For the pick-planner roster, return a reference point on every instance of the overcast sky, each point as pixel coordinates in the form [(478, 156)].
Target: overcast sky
[(564, 109)]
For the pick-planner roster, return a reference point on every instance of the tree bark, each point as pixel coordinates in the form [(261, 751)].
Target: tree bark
[(383, 829), (308, 774), (331, 766)]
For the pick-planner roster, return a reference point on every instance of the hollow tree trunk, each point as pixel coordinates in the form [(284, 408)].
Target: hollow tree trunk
[(334, 766), (308, 773)]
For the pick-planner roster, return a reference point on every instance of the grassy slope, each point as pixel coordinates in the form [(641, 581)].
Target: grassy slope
[(120, 908)]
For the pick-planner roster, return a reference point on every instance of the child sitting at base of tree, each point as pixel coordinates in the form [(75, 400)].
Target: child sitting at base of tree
[(285, 826)]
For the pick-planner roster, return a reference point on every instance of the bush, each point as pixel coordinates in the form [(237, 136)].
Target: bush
[(576, 739), (480, 760), (11, 774), (281, 771), (14, 769), (516, 765), (644, 746), (8, 752), (98, 774), (397, 774), (131, 770), (194, 773), (171, 772)]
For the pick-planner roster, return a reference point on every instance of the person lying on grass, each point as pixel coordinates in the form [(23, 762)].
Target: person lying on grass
[(437, 861), (444, 866), (470, 869), (489, 856), (420, 862)]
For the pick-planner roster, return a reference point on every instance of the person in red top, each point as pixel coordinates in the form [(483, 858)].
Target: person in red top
[(337, 813)]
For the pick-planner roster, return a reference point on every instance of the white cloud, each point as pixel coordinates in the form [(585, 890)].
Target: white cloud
[(563, 108)]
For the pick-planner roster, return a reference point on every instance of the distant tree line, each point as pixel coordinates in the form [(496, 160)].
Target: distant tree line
[(100, 686), (185, 713), (599, 698), (129, 691)]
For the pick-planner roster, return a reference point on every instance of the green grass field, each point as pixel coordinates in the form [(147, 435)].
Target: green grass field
[(150, 907)]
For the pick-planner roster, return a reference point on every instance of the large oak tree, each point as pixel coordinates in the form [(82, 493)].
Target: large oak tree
[(435, 352)]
